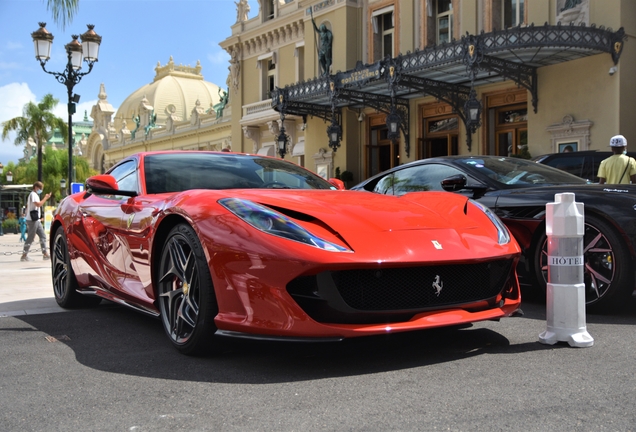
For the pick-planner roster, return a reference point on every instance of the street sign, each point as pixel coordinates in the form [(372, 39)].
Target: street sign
[(77, 187)]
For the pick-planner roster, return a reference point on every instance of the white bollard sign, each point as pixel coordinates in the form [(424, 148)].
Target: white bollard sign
[(565, 296)]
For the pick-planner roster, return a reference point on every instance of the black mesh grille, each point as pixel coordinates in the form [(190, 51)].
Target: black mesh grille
[(417, 287)]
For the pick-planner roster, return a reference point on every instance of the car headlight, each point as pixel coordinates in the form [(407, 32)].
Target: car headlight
[(503, 236), (274, 223)]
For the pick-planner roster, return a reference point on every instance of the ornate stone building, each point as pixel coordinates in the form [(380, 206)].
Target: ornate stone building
[(175, 111), (542, 74)]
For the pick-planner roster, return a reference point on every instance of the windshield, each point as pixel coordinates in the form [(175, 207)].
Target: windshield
[(519, 172), (176, 172)]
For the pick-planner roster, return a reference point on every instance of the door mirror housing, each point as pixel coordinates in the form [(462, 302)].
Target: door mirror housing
[(454, 183), (107, 185), (339, 184)]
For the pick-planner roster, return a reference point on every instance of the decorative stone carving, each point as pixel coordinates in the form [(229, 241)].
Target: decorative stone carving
[(197, 112), (253, 133), (172, 117), (235, 68), (571, 132), (102, 112), (573, 12), (124, 133), (323, 161), (274, 127)]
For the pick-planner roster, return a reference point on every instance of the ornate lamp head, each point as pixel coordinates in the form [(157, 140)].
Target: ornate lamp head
[(42, 41)]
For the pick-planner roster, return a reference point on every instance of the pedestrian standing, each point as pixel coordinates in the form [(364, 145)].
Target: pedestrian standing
[(34, 225), (618, 168), (23, 227)]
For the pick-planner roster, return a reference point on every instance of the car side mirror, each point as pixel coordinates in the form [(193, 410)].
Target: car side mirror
[(339, 184), (454, 183), (105, 184)]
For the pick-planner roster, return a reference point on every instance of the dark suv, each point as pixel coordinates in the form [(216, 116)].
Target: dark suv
[(583, 164)]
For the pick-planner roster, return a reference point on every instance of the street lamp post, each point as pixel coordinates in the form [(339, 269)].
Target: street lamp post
[(88, 51), (63, 186)]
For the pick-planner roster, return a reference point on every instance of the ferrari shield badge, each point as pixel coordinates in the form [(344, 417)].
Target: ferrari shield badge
[(130, 220), (437, 244)]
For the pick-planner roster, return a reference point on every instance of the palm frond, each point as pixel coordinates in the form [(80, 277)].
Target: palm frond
[(63, 11)]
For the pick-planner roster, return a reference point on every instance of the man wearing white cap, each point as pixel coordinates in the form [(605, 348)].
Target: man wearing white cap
[(618, 168)]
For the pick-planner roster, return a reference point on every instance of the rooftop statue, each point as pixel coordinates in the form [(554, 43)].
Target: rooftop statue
[(242, 9), (324, 49), (225, 97)]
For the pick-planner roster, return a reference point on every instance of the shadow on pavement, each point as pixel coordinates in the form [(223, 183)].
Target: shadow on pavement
[(114, 339)]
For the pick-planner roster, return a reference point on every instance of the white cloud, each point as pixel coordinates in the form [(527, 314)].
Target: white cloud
[(13, 96), (219, 56), (9, 65), (14, 45)]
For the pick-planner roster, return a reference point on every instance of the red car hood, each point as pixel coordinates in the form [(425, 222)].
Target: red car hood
[(368, 211), (379, 227)]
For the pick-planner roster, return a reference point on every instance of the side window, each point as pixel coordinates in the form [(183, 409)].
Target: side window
[(126, 176), (572, 165), (385, 186)]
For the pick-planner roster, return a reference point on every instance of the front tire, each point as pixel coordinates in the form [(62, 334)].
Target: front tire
[(185, 293), (608, 272), (65, 284)]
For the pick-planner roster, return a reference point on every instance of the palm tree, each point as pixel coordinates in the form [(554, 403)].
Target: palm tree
[(37, 122), (62, 10)]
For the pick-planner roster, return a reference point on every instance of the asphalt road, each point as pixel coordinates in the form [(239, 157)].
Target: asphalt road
[(112, 369)]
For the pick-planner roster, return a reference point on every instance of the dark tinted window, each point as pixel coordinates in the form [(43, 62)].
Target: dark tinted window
[(573, 165), (175, 172)]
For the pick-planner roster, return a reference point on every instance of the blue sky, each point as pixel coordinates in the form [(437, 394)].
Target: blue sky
[(136, 35)]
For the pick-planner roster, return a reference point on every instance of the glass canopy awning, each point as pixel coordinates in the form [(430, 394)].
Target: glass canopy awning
[(449, 72)]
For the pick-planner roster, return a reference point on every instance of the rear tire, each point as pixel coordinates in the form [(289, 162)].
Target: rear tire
[(185, 293), (608, 271), (65, 284)]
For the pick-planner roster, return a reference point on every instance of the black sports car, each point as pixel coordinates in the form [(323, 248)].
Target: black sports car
[(518, 191)]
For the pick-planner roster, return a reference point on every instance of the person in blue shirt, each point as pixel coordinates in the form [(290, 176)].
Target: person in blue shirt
[(23, 227)]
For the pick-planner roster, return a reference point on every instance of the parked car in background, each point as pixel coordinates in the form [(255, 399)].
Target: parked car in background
[(219, 243), (582, 164), (518, 190)]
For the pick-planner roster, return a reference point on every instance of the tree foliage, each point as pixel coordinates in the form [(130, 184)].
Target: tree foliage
[(37, 122), (63, 11), (55, 168)]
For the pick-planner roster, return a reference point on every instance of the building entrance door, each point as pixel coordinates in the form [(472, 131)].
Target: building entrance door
[(381, 153)]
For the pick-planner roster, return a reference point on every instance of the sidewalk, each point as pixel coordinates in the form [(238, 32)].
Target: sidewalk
[(25, 287)]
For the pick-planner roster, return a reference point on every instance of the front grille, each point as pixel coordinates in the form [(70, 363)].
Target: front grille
[(415, 287), (394, 294)]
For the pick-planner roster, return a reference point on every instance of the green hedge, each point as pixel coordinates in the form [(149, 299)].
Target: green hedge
[(10, 226)]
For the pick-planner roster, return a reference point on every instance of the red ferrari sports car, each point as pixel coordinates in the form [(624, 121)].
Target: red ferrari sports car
[(227, 244)]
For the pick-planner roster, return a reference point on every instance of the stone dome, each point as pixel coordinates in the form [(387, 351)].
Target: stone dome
[(175, 89)]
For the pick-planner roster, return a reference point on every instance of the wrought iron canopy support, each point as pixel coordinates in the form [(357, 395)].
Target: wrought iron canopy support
[(392, 73), (453, 94), (282, 103), (520, 73)]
